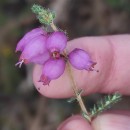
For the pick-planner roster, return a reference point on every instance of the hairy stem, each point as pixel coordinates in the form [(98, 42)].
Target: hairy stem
[(74, 87), (78, 96), (53, 26)]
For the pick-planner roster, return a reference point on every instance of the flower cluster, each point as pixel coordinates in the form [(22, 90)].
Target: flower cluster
[(47, 49)]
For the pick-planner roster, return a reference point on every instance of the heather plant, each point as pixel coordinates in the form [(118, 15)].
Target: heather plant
[(48, 49)]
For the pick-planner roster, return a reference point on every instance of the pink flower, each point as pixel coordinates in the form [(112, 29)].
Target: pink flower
[(32, 46), (52, 69), (47, 50), (29, 36), (80, 59), (56, 42), (55, 66), (41, 48)]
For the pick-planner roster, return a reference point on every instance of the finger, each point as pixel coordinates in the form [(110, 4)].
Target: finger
[(112, 121), (112, 56), (75, 123)]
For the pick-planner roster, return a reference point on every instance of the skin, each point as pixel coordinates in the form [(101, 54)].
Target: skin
[(112, 54)]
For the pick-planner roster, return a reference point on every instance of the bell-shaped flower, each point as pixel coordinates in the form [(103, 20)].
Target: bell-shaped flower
[(46, 49), (34, 50), (29, 36), (80, 59), (56, 42), (52, 69)]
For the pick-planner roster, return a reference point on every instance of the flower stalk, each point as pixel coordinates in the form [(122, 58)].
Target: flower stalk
[(76, 92), (74, 87)]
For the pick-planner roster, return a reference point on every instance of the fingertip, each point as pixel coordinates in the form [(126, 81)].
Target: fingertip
[(112, 75), (59, 88), (91, 82), (75, 123), (112, 121)]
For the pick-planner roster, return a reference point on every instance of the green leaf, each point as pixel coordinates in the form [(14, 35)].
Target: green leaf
[(105, 103)]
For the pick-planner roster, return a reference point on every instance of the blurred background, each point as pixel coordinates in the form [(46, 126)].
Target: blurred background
[(21, 106)]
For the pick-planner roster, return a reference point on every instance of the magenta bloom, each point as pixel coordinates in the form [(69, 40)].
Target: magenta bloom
[(29, 36), (40, 59), (81, 60), (52, 69), (47, 50), (56, 42), (55, 66), (40, 48), (34, 50), (35, 47)]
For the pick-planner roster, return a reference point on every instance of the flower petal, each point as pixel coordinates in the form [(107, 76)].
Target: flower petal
[(80, 60), (56, 41), (34, 48), (40, 59), (29, 36), (52, 69)]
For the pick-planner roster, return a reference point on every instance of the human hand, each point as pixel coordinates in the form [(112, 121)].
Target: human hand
[(112, 54)]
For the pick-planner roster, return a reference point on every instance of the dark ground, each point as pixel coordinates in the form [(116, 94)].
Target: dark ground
[(21, 106)]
